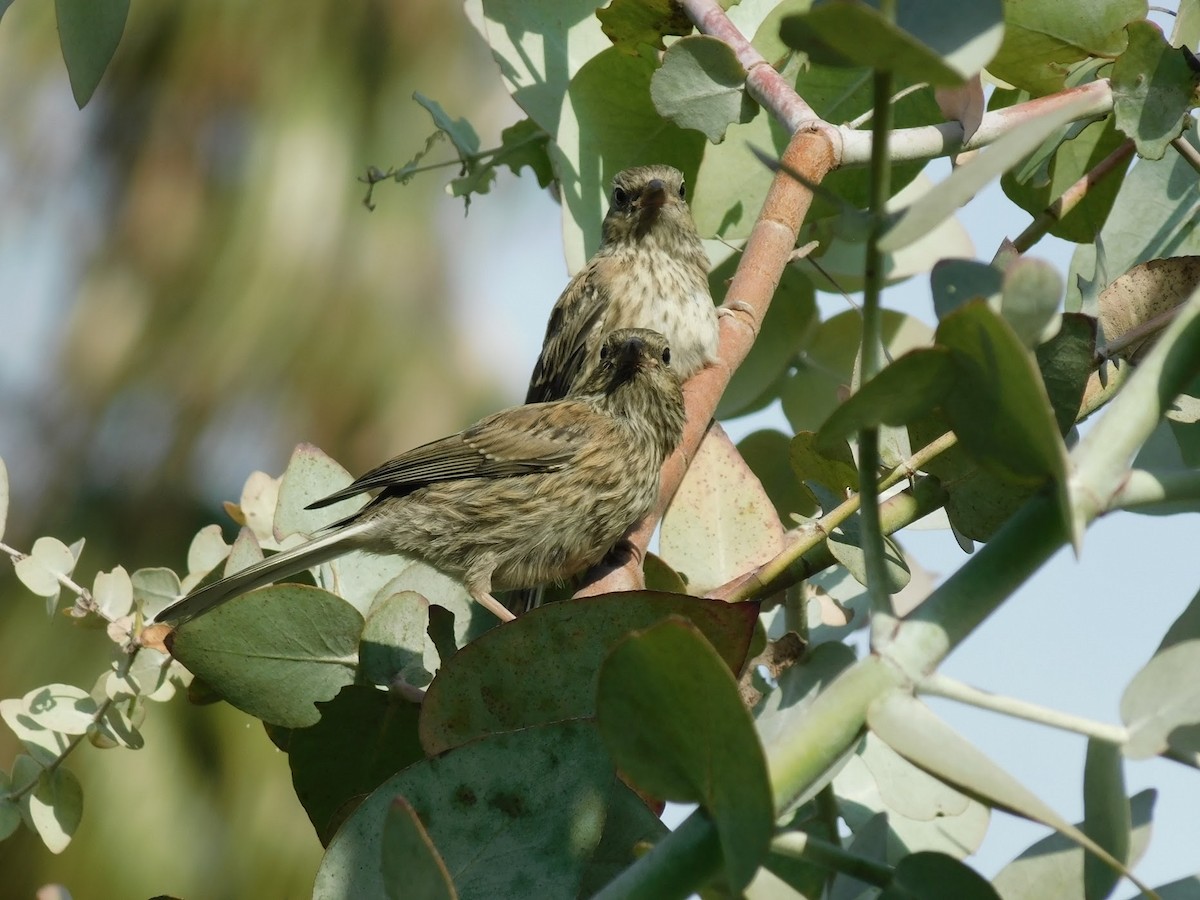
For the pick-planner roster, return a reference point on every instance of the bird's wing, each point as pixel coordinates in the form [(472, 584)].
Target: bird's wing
[(517, 441), (574, 327)]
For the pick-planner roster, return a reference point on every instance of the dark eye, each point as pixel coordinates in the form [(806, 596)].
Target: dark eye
[(666, 356), (604, 351), (682, 191), (620, 196)]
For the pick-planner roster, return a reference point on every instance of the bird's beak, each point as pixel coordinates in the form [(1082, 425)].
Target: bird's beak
[(654, 195), (629, 358)]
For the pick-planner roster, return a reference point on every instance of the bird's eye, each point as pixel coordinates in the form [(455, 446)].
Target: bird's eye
[(604, 351), (620, 196), (666, 356), (682, 191)]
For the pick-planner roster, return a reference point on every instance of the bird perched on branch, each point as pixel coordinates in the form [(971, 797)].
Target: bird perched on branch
[(528, 495), (651, 271)]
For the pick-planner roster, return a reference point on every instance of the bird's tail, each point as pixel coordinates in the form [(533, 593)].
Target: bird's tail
[(272, 569)]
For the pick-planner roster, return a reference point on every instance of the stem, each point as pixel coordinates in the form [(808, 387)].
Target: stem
[(65, 580), (882, 616), (695, 858), (1189, 153), (1145, 490), (939, 685), (1073, 196), (798, 845), (795, 562)]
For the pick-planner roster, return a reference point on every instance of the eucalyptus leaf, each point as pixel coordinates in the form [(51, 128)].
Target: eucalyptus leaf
[(412, 866), (701, 85), (672, 717), (1153, 88), (274, 652), (968, 179), (89, 32)]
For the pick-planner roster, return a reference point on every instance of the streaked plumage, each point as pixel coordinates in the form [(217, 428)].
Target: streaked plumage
[(528, 495), (651, 271)]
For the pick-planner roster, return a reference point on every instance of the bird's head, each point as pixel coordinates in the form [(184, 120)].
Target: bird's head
[(649, 203)]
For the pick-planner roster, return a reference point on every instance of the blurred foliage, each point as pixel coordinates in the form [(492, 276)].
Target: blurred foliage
[(191, 285)]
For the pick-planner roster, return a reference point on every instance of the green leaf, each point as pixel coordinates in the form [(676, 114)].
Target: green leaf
[(968, 179), (311, 475), (154, 589), (790, 323), (10, 811), (609, 123), (721, 523), (61, 707), (929, 874), (561, 644), (40, 571), (461, 133), (732, 183), (998, 405), (44, 745), (671, 714), (628, 23), (938, 41), (768, 454), (841, 255), (922, 812), (89, 32), (701, 85), (1184, 628), (393, 641), (1106, 816), (978, 501), (275, 652), (909, 387), (512, 815), (912, 730), (825, 371), (113, 593), (1153, 88), (1030, 300), (1044, 38), (1066, 362), (831, 467), (1151, 218), (206, 551), (540, 46), (1162, 702), (1070, 161), (1054, 866), (958, 281), (524, 144), (845, 545), (412, 866), (363, 738), (55, 807)]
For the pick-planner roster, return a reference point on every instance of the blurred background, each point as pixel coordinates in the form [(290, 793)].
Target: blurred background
[(190, 285)]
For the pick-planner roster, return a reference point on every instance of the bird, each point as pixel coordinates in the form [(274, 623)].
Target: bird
[(650, 271), (528, 495)]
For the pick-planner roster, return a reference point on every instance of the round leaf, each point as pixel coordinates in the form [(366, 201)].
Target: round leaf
[(671, 714), (512, 815), (561, 644), (701, 85), (274, 652)]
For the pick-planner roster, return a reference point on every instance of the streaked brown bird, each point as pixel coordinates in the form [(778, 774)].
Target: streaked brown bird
[(528, 495), (651, 271)]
